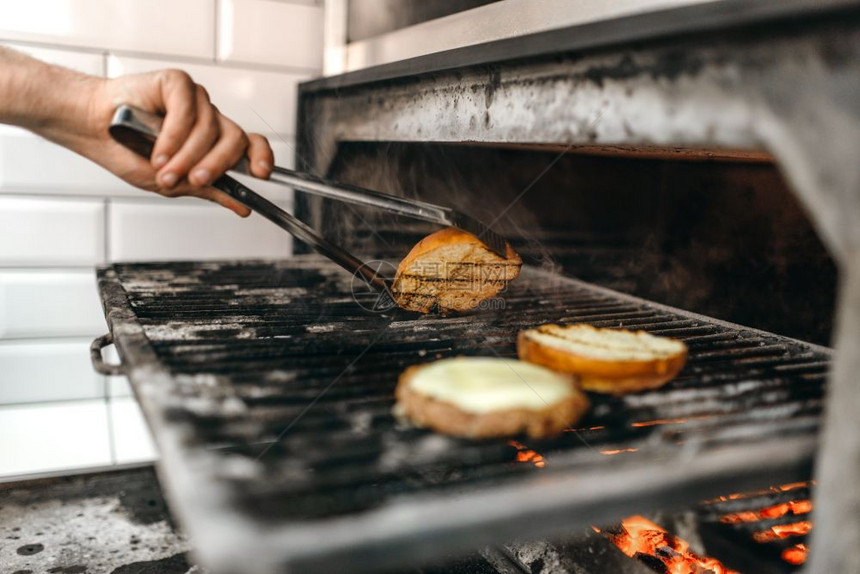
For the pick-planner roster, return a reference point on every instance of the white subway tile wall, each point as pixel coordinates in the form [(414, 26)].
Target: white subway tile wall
[(132, 441), (260, 101), (48, 437), (118, 387), (61, 215), (190, 232), (274, 33), (24, 161), (92, 63), (41, 371), (51, 232), (125, 25), (62, 303)]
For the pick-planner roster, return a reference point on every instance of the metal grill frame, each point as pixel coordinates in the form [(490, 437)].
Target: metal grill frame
[(416, 528)]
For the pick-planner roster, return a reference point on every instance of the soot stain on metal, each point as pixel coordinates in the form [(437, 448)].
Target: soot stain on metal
[(493, 84), (669, 65)]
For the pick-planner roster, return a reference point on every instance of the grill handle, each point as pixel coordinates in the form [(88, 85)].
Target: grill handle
[(98, 360)]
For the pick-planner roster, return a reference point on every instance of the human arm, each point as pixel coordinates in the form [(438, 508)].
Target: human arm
[(197, 143)]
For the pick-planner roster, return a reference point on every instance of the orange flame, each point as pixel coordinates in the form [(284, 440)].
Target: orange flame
[(780, 531), (796, 507), (795, 554), (641, 536), (525, 454)]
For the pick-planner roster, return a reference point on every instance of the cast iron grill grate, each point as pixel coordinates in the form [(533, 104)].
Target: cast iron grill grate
[(274, 389)]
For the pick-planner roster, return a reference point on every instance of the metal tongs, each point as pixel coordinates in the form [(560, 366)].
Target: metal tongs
[(137, 129)]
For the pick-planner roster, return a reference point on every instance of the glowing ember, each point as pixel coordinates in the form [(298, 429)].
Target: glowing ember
[(793, 486), (619, 451), (795, 554), (525, 454), (780, 531), (769, 490), (640, 536), (796, 507)]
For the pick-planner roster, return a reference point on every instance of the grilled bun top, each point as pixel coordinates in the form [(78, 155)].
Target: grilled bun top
[(468, 248), (614, 361), (605, 344)]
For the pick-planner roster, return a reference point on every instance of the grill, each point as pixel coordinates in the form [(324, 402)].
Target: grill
[(269, 391)]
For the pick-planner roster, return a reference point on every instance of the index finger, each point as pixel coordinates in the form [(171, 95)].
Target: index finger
[(180, 107)]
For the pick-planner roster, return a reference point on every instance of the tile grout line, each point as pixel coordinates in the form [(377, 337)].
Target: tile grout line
[(216, 20), (106, 232), (46, 267), (105, 378), (47, 339), (52, 403), (160, 56), (110, 425)]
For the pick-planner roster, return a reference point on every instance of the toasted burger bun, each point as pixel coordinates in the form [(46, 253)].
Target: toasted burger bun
[(611, 361), (452, 270), (481, 397)]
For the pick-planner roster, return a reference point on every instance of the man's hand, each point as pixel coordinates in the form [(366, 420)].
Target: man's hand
[(196, 145)]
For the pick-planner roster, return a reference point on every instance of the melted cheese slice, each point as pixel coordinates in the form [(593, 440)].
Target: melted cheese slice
[(485, 384)]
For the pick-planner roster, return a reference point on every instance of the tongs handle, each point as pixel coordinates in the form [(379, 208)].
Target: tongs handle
[(353, 194), (137, 130)]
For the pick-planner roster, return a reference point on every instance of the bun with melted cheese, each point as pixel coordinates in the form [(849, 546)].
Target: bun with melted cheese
[(481, 397)]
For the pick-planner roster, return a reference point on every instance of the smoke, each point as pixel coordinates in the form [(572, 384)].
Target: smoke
[(723, 239), (469, 179)]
